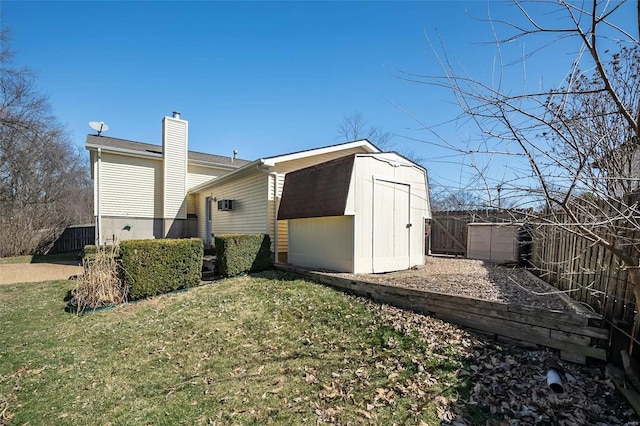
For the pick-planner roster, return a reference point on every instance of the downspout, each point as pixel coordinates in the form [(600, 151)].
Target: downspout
[(409, 226), (275, 210), (275, 216), (98, 207)]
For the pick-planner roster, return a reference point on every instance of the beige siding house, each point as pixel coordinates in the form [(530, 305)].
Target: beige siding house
[(166, 191), (255, 190), (141, 190), (144, 190)]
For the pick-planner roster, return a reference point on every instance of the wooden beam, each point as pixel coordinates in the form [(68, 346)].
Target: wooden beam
[(449, 234), (568, 332)]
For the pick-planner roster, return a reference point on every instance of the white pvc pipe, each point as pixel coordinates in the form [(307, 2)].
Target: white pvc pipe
[(554, 381)]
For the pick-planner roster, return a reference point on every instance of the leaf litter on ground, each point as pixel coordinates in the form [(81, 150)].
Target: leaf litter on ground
[(508, 384)]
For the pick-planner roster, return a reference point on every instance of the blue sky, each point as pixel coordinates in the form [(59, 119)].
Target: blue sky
[(263, 78)]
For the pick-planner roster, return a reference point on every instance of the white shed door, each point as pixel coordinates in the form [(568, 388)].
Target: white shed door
[(391, 226)]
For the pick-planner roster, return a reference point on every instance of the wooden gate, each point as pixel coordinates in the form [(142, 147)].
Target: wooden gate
[(449, 234)]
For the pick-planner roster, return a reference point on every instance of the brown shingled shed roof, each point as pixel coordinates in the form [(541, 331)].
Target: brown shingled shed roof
[(317, 191)]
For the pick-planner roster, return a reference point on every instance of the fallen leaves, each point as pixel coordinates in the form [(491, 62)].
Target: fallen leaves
[(238, 371), (510, 383), (506, 383)]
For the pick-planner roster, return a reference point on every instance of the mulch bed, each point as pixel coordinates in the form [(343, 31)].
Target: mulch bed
[(474, 278)]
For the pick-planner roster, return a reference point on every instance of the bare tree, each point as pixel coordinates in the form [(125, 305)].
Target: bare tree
[(573, 149), (354, 127), (443, 199), (44, 183)]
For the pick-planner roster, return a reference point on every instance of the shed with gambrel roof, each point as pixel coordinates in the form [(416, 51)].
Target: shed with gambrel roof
[(361, 213)]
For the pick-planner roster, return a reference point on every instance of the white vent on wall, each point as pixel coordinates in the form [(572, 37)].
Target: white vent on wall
[(226, 205)]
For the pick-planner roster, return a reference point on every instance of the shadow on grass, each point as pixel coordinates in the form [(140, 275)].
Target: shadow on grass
[(56, 258), (278, 275)]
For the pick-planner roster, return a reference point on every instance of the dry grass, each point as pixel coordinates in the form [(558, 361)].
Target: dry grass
[(101, 283)]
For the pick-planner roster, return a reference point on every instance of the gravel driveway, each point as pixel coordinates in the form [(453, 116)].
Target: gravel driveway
[(36, 272)]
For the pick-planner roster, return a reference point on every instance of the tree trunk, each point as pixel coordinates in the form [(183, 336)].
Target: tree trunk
[(633, 280)]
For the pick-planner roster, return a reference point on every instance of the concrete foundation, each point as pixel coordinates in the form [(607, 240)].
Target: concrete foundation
[(116, 229)]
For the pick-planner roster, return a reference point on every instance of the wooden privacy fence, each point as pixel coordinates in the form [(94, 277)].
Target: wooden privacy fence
[(74, 238), (449, 228), (586, 271)]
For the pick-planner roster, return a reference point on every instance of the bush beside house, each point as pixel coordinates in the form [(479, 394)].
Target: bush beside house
[(238, 253), (154, 267)]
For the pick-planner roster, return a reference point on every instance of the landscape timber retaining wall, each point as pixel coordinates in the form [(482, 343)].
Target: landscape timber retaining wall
[(577, 335)]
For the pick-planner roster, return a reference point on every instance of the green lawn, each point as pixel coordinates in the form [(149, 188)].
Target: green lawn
[(249, 350)]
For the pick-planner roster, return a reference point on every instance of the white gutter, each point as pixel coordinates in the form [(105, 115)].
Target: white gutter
[(212, 165), (158, 156), (246, 169), (134, 153), (98, 211)]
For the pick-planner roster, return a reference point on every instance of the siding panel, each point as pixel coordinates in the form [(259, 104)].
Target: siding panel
[(283, 229), (322, 242), (127, 186), (191, 204), (175, 168), (249, 215), (197, 175), (202, 218), (275, 193)]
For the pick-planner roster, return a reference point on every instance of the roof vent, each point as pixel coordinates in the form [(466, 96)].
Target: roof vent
[(176, 115)]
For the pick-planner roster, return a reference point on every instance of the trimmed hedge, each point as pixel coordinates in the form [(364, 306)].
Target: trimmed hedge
[(159, 266), (238, 253)]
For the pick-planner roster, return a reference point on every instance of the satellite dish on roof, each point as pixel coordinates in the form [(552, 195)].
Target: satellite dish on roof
[(98, 126)]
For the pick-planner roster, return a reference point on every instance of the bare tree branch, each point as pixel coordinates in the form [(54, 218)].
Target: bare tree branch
[(572, 151), (44, 182)]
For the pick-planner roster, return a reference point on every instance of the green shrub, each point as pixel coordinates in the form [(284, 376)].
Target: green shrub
[(238, 253), (159, 266)]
